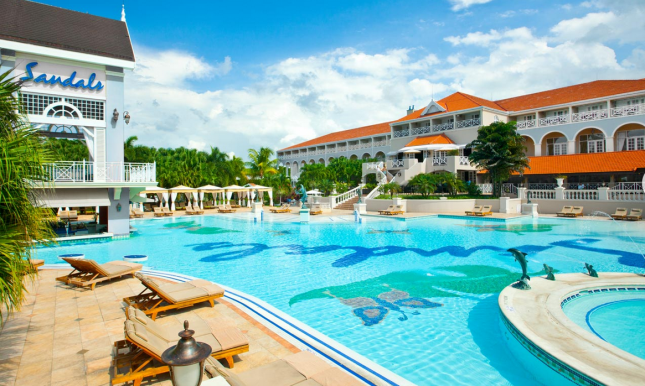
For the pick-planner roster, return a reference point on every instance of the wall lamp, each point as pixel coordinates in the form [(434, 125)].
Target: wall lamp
[(126, 117), (115, 115)]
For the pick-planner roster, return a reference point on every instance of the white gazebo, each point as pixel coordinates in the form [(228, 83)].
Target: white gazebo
[(162, 194), (215, 190), (260, 190), (234, 189), (181, 189)]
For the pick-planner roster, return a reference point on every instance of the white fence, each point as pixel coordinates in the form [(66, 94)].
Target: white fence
[(626, 195), (583, 195), (541, 194), (348, 195), (600, 194), (82, 171)]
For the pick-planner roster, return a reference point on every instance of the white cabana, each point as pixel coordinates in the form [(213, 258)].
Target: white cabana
[(162, 194), (260, 189), (215, 190), (180, 189), (233, 189)]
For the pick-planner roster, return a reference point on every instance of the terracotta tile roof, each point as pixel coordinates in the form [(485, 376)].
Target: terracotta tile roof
[(455, 102), (578, 92), (379, 128), (439, 139), (612, 162)]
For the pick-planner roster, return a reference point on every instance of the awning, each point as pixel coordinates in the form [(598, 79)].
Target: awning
[(141, 199), (59, 198)]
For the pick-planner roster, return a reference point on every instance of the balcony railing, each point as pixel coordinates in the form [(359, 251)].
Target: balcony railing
[(589, 116), (551, 121), (420, 130), (401, 133), (628, 110), (81, 171), (439, 161), (443, 127), (468, 123), (463, 160), (399, 163), (526, 124)]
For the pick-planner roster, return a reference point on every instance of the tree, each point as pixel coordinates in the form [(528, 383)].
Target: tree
[(425, 184), (391, 187), (312, 175), (453, 184), (22, 155), (499, 149), (67, 149), (129, 151), (261, 163)]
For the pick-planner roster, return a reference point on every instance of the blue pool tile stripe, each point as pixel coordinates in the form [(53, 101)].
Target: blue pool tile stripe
[(591, 311)]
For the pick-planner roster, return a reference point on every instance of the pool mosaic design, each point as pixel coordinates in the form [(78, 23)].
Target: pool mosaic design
[(417, 297)]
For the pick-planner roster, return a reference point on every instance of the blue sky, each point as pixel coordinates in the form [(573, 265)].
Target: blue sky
[(215, 73)]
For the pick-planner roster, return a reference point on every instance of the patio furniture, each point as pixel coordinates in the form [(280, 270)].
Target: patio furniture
[(193, 211), (158, 212), (303, 368), (566, 210), (635, 215), (158, 297), (167, 212), (476, 209), (139, 355), (134, 214), (486, 211), (315, 209), (620, 214), (88, 272), (226, 209), (392, 210), (283, 209), (576, 212)]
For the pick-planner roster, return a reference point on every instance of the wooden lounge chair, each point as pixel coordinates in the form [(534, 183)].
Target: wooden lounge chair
[(135, 214), (389, 209), (315, 209), (300, 369), (158, 212), (576, 212), (283, 209), (476, 209), (566, 210), (193, 211), (88, 272), (167, 212), (486, 211), (158, 296), (35, 263), (396, 209), (226, 209), (139, 355), (635, 215), (620, 214)]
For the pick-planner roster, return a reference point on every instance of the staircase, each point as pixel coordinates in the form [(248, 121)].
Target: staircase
[(348, 205)]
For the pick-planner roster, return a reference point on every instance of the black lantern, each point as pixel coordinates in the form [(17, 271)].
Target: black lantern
[(186, 359), (115, 115), (118, 207), (126, 117)]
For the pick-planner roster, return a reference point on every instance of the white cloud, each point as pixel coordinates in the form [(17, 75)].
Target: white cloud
[(458, 5), (475, 38), (566, 7)]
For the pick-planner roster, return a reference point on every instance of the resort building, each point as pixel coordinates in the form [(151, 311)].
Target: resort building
[(605, 116), (73, 66)]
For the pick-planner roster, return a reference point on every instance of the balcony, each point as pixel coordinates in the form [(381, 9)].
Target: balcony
[(526, 124), (443, 127), (101, 172), (468, 123), (553, 121), (589, 116), (439, 161)]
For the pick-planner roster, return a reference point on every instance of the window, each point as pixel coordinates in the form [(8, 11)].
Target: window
[(559, 113), (592, 143), (636, 101), (475, 116), (635, 140), (556, 146), (594, 107), (529, 118)]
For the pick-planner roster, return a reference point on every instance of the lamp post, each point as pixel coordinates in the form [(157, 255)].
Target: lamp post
[(186, 359)]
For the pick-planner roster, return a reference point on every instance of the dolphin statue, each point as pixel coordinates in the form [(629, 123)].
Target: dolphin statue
[(521, 258)]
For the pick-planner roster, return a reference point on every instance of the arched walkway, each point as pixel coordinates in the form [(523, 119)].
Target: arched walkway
[(555, 143), (321, 161), (380, 156), (590, 140), (366, 156), (630, 136), (529, 143), (353, 157)]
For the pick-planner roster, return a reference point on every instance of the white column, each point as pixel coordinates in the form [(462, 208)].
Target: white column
[(173, 197), (271, 197), (538, 149), (609, 144), (571, 147), (559, 193), (603, 194)]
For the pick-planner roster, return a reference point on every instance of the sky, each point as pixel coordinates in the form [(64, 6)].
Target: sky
[(239, 75)]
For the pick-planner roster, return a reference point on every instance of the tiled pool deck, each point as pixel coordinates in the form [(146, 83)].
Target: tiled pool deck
[(64, 335)]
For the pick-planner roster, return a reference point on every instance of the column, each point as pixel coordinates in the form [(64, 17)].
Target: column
[(538, 149), (571, 147), (114, 132), (609, 144)]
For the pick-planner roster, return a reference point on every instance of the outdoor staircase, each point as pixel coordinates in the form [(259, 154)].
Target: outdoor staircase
[(348, 205)]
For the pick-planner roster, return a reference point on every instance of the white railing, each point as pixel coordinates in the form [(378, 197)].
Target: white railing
[(365, 145), (586, 195), (463, 160), (401, 133), (626, 195), (525, 124), (558, 120), (628, 110), (397, 163), (439, 161), (628, 186), (443, 127), (468, 123), (420, 130), (348, 195), (353, 147), (82, 171), (543, 186), (535, 194), (486, 188), (589, 116)]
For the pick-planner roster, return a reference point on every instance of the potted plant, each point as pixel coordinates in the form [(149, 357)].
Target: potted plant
[(560, 180)]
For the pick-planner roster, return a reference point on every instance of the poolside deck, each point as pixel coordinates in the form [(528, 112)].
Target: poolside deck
[(65, 335)]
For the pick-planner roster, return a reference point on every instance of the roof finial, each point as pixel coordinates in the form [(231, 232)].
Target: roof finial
[(123, 12)]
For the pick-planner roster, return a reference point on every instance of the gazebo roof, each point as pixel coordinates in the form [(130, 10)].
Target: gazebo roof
[(182, 189), (236, 188), (209, 187), (155, 189)]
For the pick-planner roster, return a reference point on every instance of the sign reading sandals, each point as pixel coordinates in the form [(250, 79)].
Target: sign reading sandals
[(69, 82)]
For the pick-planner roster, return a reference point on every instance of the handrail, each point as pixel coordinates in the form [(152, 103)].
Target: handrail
[(87, 171), (348, 195)]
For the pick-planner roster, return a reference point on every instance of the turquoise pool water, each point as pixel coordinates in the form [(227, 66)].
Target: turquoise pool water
[(417, 297), (615, 316)]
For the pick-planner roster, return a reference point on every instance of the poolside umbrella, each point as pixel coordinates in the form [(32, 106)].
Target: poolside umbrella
[(180, 189), (208, 188)]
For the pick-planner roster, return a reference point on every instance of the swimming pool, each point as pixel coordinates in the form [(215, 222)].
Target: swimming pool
[(417, 297), (614, 315)]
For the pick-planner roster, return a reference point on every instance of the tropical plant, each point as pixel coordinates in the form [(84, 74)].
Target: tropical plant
[(499, 149), (326, 187), (473, 189), (311, 175), (261, 163), (342, 187), (425, 184), (451, 182), (22, 155), (67, 149), (129, 150), (391, 188)]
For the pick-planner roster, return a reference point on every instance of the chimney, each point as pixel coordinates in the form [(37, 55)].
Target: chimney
[(410, 109)]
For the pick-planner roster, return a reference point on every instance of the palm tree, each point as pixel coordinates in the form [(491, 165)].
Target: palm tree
[(22, 155), (261, 163), (391, 187), (425, 184), (129, 149)]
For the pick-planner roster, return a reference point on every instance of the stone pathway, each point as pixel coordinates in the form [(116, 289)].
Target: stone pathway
[(64, 335)]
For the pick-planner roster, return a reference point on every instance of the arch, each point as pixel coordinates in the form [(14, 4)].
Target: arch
[(311, 162), (366, 156), (321, 161), (550, 135), (380, 156), (529, 143), (62, 110), (331, 159), (303, 163), (582, 147), (353, 157), (294, 169), (629, 136), (342, 156), (590, 129), (627, 127)]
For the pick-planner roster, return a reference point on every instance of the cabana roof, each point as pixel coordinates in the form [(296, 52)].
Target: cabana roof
[(182, 189), (209, 187), (154, 189), (236, 188)]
